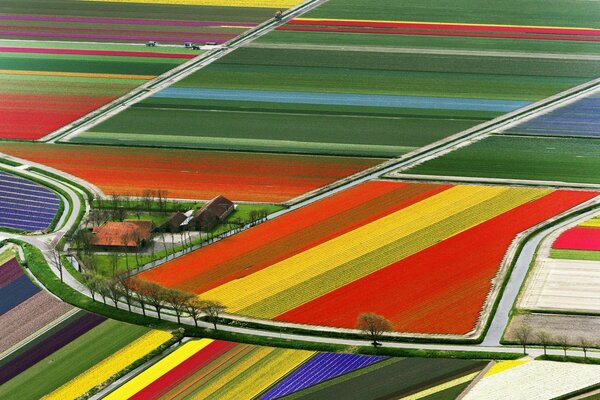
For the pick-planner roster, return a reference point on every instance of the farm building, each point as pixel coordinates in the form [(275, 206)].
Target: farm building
[(173, 224), (212, 213), (118, 235)]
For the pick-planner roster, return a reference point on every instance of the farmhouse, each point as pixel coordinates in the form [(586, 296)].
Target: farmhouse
[(118, 235), (212, 213)]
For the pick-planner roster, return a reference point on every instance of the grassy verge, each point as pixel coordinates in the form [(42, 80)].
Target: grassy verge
[(580, 360), (587, 255), (9, 162), (88, 194)]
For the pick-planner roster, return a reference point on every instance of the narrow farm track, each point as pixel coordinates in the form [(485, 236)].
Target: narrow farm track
[(421, 50)]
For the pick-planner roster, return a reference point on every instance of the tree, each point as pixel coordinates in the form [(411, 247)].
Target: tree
[(212, 309), (137, 286), (103, 287), (155, 295), (58, 263), (585, 344), (114, 290), (373, 325), (544, 338), (563, 342), (90, 281), (523, 335), (126, 290), (177, 299), (194, 306), (114, 262)]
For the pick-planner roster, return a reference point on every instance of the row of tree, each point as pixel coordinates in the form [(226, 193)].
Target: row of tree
[(135, 291), (525, 336)]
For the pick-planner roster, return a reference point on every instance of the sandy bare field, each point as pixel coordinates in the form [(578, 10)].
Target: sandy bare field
[(569, 285), (571, 326)]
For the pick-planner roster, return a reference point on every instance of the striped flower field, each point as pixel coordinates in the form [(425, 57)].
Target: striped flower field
[(45, 88), (26, 205), (193, 174), (441, 244)]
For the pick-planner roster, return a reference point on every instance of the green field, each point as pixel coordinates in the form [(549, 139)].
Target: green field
[(513, 12), (71, 360), (575, 254), (249, 108), (485, 44), (515, 157)]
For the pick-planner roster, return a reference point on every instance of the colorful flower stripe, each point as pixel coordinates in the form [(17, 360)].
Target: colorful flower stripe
[(288, 235), (156, 371), (74, 74), (110, 366), (16, 292), (184, 370), (9, 271), (217, 3), (205, 375), (122, 21), (193, 174), (579, 238), (503, 366), (320, 368), (251, 374), (436, 389), (446, 26), (439, 33), (51, 113), (94, 52), (348, 257), (443, 287), (114, 37), (49, 345), (592, 223)]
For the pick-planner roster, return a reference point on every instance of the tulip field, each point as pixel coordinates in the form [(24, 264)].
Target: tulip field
[(193, 174), (63, 83), (320, 265), (399, 158), (213, 369), (25, 204), (373, 98)]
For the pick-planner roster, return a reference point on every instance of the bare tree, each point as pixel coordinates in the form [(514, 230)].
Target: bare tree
[(585, 344), (114, 262), (563, 342), (177, 299), (523, 335), (212, 309), (90, 281), (373, 325), (56, 255), (194, 306), (126, 290), (103, 287), (137, 286), (114, 290), (545, 339), (155, 296)]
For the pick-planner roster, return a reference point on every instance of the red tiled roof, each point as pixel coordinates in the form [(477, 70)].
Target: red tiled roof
[(115, 233)]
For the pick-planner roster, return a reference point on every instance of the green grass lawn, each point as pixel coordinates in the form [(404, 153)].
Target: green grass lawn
[(72, 360), (516, 157), (587, 255)]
